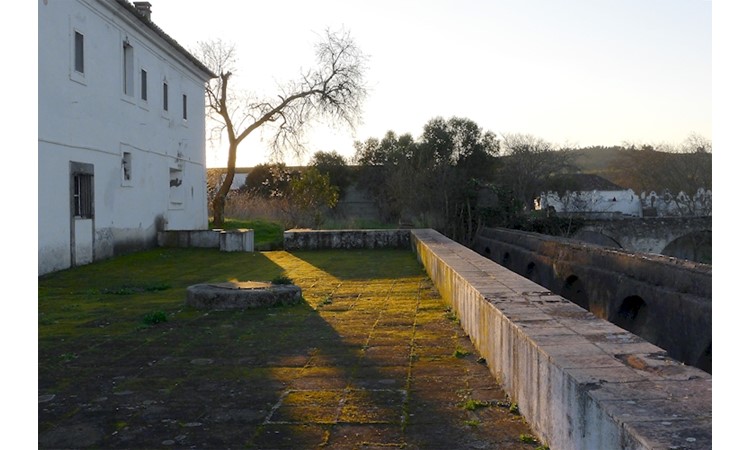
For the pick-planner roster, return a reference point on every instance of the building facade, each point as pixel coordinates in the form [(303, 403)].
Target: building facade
[(121, 131)]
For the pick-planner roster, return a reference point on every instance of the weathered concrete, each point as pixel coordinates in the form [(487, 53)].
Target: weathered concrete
[(239, 240), (580, 382), (684, 237), (664, 300), (345, 239), (189, 238), (241, 295)]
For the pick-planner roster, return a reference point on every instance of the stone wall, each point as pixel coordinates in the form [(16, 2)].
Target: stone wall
[(579, 381), (664, 300), (345, 239)]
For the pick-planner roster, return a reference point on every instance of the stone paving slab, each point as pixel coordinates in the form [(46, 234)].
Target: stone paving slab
[(375, 362)]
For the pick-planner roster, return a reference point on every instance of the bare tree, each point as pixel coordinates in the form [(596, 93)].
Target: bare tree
[(682, 174), (528, 163), (333, 90)]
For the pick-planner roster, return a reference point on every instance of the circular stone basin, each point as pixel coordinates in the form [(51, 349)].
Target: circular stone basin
[(241, 295)]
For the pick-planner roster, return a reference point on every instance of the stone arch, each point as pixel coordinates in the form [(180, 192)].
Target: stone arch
[(704, 360), (694, 246), (632, 314), (530, 270), (574, 290)]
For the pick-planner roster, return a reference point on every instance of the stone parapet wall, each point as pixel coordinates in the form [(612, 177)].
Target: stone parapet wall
[(240, 240), (580, 381), (345, 239)]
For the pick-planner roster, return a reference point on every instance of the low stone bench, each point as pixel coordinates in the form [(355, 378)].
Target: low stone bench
[(241, 295)]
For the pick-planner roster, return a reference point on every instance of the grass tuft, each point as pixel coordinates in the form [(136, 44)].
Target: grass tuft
[(282, 279), (154, 318)]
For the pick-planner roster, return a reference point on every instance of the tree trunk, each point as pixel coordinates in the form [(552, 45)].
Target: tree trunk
[(218, 206), (221, 196)]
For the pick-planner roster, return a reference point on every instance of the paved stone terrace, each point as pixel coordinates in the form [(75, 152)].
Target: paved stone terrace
[(372, 359)]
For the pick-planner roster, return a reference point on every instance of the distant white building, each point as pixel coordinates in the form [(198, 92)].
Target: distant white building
[(681, 205), (121, 132), (599, 204), (591, 196)]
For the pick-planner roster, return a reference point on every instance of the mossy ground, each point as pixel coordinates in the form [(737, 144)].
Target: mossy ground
[(366, 361)]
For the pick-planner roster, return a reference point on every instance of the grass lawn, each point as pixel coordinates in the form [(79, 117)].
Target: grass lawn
[(370, 358)]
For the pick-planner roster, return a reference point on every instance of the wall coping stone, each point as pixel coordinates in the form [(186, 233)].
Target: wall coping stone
[(580, 381)]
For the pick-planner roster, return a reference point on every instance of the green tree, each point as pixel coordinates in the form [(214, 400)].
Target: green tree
[(309, 196), (269, 180), (334, 165), (433, 181)]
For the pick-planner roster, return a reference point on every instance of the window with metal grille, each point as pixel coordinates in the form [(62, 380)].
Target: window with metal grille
[(83, 195)]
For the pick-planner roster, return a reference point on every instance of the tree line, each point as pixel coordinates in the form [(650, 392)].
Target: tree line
[(454, 177)]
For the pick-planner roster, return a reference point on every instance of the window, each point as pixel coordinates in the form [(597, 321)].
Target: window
[(184, 107), (127, 166), (78, 53), (127, 68), (166, 96), (83, 195), (176, 190), (144, 85)]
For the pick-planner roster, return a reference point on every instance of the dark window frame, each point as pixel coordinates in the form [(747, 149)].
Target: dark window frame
[(144, 85), (165, 90), (78, 52), (82, 190)]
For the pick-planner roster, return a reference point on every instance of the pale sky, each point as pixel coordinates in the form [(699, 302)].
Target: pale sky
[(584, 72)]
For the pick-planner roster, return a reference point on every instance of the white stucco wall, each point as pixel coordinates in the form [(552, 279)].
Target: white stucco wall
[(89, 119), (594, 202)]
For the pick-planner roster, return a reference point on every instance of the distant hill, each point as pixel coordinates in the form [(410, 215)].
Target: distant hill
[(645, 170)]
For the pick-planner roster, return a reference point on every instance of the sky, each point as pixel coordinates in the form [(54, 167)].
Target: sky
[(580, 73), (585, 72)]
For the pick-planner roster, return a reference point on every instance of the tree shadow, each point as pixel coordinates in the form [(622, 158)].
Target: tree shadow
[(373, 362)]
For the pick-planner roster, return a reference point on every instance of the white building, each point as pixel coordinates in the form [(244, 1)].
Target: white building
[(121, 132), (590, 196), (594, 204)]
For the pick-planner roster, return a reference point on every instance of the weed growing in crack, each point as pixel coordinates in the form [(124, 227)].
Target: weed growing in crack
[(154, 318), (326, 301), (460, 352), (471, 404)]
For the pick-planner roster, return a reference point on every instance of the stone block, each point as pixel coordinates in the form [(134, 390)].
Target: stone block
[(239, 240)]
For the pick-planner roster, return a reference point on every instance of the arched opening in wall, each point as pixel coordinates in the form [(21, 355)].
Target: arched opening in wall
[(694, 246), (506, 259), (487, 252), (631, 315), (530, 271), (704, 361), (597, 238), (575, 291)]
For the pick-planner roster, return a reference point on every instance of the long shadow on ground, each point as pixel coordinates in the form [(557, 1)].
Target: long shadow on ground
[(369, 361)]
